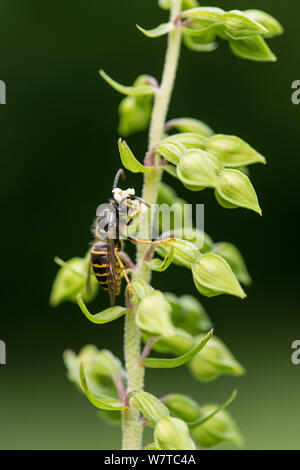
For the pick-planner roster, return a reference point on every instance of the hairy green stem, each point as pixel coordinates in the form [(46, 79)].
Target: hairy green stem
[(132, 429)]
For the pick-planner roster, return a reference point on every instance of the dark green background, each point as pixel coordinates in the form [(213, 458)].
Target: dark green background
[(58, 157)]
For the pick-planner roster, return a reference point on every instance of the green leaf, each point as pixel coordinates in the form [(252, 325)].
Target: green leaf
[(177, 361), (157, 264), (105, 316), (253, 48), (103, 402), (238, 25), (213, 276), (178, 343), (128, 90), (150, 406), (171, 151), (236, 188), (189, 125), (232, 151), (160, 30), (128, 159), (203, 420), (273, 27)]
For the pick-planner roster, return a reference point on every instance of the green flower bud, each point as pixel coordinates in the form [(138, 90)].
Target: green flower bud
[(140, 289), (150, 406), (178, 343), (190, 140), (98, 377), (172, 434), (185, 252), (213, 276), (214, 360), (203, 18), (253, 48), (236, 188), (153, 315), (238, 25), (232, 151), (198, 170), (204, 42), (135, 114), (188, 313), (190, 125), (182, 407), (235, 260), (220, 428), (171, 150), (273, 27), (71, 280)]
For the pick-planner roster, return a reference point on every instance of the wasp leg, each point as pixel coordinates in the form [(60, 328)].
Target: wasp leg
[(124, 271), (150, 242), (88, 285), (127, 260)]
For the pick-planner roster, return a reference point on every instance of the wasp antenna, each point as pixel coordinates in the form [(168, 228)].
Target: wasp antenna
[(119, 173)]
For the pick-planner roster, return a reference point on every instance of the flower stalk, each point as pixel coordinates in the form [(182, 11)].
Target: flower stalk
[(132, 429)]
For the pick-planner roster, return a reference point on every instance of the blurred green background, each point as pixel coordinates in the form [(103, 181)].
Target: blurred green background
[(59, 154)]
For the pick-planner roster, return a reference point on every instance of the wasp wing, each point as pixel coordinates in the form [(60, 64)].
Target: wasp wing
[(111, 244)]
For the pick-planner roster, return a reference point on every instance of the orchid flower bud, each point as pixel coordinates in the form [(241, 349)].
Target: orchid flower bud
[(214, 360), (172, 434)]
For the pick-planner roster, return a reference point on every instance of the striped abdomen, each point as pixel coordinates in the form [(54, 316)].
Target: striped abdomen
[(101, 268)]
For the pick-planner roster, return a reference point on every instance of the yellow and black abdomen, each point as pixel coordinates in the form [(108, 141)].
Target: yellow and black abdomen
[(101, 268)]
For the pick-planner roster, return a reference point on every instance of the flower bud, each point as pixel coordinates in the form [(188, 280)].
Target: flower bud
[(238, 25), (213, 276), (190, 140), (182, 407), (273, 27), (202, 42), (172, 434), (140, 289), (232, 151), (252, 48), (153, 315), (178, 343), (220, 428), (98, 376), (71, 280), (214, 360), (235, 188), (150, 406), (190, 125), (198, 170), (185, 253), (235, 260), (171, 150), (188, 313), (135, 113)]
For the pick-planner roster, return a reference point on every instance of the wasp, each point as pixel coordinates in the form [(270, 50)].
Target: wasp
[(108, 259)]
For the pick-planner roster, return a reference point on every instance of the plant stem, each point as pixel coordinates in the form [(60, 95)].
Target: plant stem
[(132, 429)]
